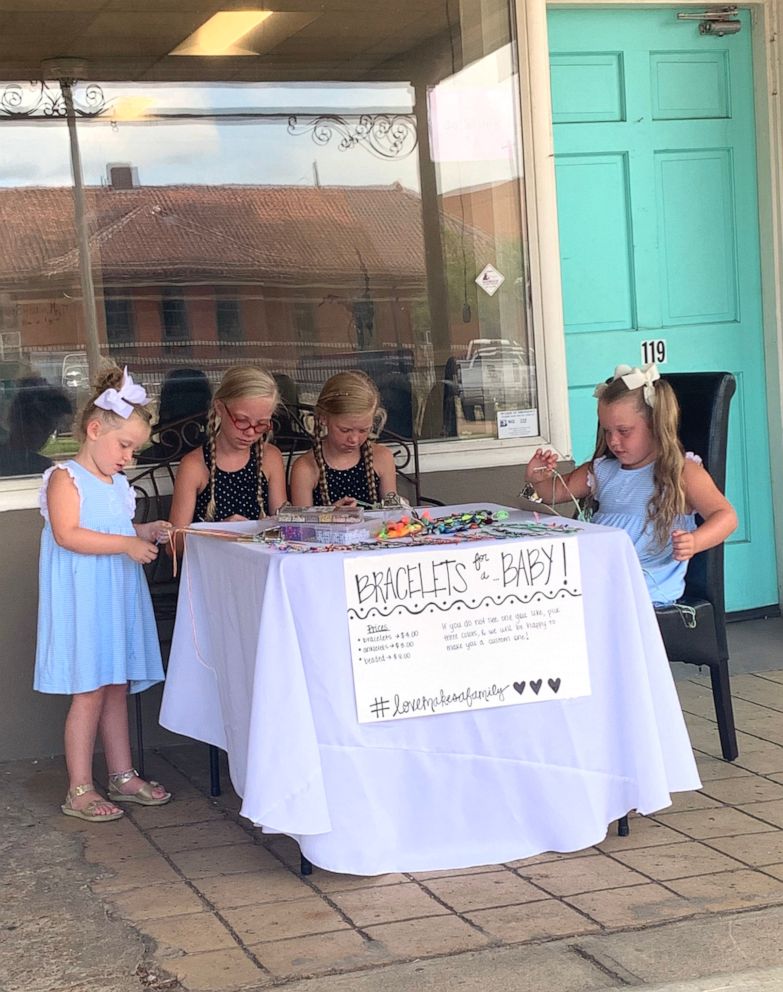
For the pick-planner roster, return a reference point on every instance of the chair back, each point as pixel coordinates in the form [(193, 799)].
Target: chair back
[(704, 399)]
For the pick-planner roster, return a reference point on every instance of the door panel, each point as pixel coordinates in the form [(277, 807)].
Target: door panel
[(658, 217)]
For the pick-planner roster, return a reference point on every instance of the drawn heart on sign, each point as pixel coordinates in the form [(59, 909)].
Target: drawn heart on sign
[(554, 684), (535, 685), (520, 687)]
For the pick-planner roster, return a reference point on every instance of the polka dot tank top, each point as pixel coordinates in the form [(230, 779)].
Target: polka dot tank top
[(347, 482), (235, 492)]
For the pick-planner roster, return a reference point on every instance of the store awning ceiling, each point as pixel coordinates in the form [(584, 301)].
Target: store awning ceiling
[(301, 40)]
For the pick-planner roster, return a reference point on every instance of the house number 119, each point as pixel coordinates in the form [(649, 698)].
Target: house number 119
[(654, 351)]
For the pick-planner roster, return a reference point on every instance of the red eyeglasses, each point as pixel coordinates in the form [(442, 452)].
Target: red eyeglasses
[(243, 424)]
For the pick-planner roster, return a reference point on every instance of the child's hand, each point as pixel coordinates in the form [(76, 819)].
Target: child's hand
[(141, 551), (157, 531), (345, 501), (684, 544), (235, 518), (541, 466)]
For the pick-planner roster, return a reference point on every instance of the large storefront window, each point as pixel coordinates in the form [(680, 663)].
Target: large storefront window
[(363, 210)]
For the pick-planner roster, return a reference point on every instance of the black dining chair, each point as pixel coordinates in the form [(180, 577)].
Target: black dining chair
[(694, 628)]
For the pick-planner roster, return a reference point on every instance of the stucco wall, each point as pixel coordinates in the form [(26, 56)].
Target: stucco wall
[(31, 724)]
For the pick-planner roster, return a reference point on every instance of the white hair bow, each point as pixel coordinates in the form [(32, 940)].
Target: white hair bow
[(635, 378), (121, 401)]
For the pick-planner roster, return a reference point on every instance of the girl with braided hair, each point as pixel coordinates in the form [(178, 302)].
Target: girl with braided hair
[(237, 474), (345, 467)]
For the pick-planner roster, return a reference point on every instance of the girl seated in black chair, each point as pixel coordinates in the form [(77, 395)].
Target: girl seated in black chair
[(643, 481)]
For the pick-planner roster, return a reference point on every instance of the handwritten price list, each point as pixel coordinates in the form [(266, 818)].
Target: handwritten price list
[(442, 631)]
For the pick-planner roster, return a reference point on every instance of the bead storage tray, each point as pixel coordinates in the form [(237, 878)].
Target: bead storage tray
[(330, 524)]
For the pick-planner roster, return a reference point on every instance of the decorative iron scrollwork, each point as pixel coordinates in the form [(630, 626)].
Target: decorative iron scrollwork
[(388, 136), (44, 99)]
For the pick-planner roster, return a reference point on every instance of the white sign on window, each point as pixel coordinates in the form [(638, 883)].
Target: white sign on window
[(469, 627), (490, 280), (517, 423)]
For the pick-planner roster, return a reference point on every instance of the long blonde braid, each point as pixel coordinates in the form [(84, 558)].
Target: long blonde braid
[(258, 448), (212, 431), (320, 461), (369, 468)]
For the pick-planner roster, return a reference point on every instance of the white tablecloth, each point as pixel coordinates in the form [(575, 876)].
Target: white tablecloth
[(260, 666)]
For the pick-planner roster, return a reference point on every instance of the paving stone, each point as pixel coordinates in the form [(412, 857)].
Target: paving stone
[(761, 757), (224, 860), (153, 902), (540, 859), (730, 890), (682, 801), (276, 921), (635, 906), (483, 891), (677, 860), (752, 849), (711, 768), (532, 921), (387, 903), (740, 791), (190, 934), (134, 873), (345, 950), (112, 849), (423, 876), (562, 878), (775, 870), (215, 970), (645, 832), (195, 836), (440, 935), (179, 812), (721, 821), (253, 888), (770, 812), (329, 881)]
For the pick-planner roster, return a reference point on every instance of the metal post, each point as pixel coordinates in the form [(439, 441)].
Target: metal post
[(82, 234)]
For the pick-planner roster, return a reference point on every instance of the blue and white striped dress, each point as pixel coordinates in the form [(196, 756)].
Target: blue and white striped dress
[(95, 621), (623, 496)]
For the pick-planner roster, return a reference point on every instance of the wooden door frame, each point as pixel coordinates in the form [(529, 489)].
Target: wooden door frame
[(767, 21)]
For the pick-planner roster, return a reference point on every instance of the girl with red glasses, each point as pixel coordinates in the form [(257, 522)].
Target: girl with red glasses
[(237, 474)]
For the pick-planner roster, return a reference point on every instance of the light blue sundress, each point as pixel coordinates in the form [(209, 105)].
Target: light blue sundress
[(95, 621), (623, 495)]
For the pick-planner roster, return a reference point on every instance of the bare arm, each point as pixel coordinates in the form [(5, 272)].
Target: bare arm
[(192, 476), (274, 470), (540, 473), (383, 460), (62, 498), (708, 501), (304, 479)]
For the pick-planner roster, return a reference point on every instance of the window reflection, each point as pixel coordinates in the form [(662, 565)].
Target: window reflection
[(306, 227)]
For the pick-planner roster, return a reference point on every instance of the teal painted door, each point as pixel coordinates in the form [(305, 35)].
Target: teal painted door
[(658, 221)]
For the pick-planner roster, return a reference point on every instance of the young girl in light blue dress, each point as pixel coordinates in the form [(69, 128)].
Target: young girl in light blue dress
[(643, 481), (96, 630)]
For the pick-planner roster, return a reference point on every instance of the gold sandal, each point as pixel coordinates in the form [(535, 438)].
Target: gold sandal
[(143, 795), (88, 813)]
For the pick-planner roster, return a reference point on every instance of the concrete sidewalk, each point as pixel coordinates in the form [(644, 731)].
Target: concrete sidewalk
[(189, 896)]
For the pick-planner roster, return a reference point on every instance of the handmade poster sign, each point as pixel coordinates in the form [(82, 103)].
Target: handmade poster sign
[(460, 628)]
